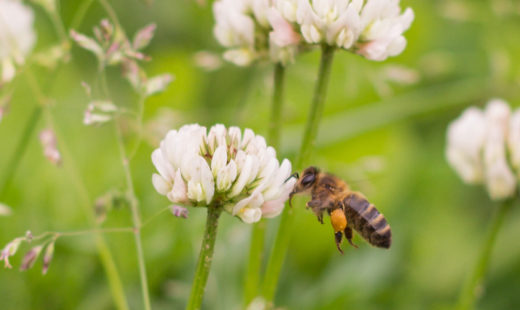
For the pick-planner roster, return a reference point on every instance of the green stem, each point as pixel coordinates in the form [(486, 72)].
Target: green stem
[(205, 258), (13, 163), (252, 279), (254, 266), (276, 107), (318, 103), (470, 292), (282, 240)]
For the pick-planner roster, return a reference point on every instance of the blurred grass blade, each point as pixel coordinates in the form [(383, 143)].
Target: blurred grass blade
[(18, 153), (369, 117)]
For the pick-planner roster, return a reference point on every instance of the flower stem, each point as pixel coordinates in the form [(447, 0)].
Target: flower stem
[(136, 219), (318, 103), (276, 107), (470, 292), (281, 244), (252, 279), (132, 198), (205, 258)]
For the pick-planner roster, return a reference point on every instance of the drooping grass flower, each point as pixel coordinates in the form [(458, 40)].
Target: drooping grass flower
[(477, 146), (111, 47), (237, 171), (371, 28), (17, 36), (254, 30)]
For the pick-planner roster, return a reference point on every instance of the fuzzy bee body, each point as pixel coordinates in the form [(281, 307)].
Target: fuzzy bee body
[(331, 194)]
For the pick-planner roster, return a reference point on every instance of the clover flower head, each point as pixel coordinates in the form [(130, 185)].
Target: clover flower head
[(17, 36), (224, 166), (253, 30), (371, 28), (477, 146)]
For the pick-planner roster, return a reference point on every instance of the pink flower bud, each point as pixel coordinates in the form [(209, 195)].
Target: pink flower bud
[(179, 211), (30, 258), (47, 257), (49, 144), (143, 37)]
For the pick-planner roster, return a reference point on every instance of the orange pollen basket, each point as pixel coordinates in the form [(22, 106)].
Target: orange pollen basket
[(338, 220)]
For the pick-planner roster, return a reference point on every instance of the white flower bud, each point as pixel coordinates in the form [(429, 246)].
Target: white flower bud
[(237, 172)]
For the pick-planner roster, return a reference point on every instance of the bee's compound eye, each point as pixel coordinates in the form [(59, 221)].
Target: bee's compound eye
[(308, 179)]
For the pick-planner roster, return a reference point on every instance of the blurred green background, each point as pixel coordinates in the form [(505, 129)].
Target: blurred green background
[(383, 131)]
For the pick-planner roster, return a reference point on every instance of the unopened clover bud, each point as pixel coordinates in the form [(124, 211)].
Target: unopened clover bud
[(143, 37), (47, 257), (157, 84), (179, 211), (31, 257), (10, 250), (49, 144)]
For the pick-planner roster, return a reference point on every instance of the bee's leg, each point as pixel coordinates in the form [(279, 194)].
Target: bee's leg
[(338, 236), (315, 205), (348, 234), (319, 214)]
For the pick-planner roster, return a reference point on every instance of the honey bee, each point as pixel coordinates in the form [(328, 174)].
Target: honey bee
[(348, 210)]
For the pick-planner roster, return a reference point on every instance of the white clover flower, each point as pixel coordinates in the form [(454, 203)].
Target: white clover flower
[(17, 36), (514, 141), (236, 171), (466, 136), (500, 180), (477, 148), (371, 28), (253, 30)]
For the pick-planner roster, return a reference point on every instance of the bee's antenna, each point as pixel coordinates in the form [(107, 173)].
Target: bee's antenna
[(294, 175)]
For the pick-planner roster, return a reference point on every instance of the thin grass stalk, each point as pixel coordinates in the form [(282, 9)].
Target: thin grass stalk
[(472, 288), (282, 240), (131, 196)]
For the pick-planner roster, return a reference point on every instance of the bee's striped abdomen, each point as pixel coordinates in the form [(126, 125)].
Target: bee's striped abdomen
[(367, 221)]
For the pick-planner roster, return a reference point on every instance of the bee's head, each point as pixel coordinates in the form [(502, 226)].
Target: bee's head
[(305, 182)]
